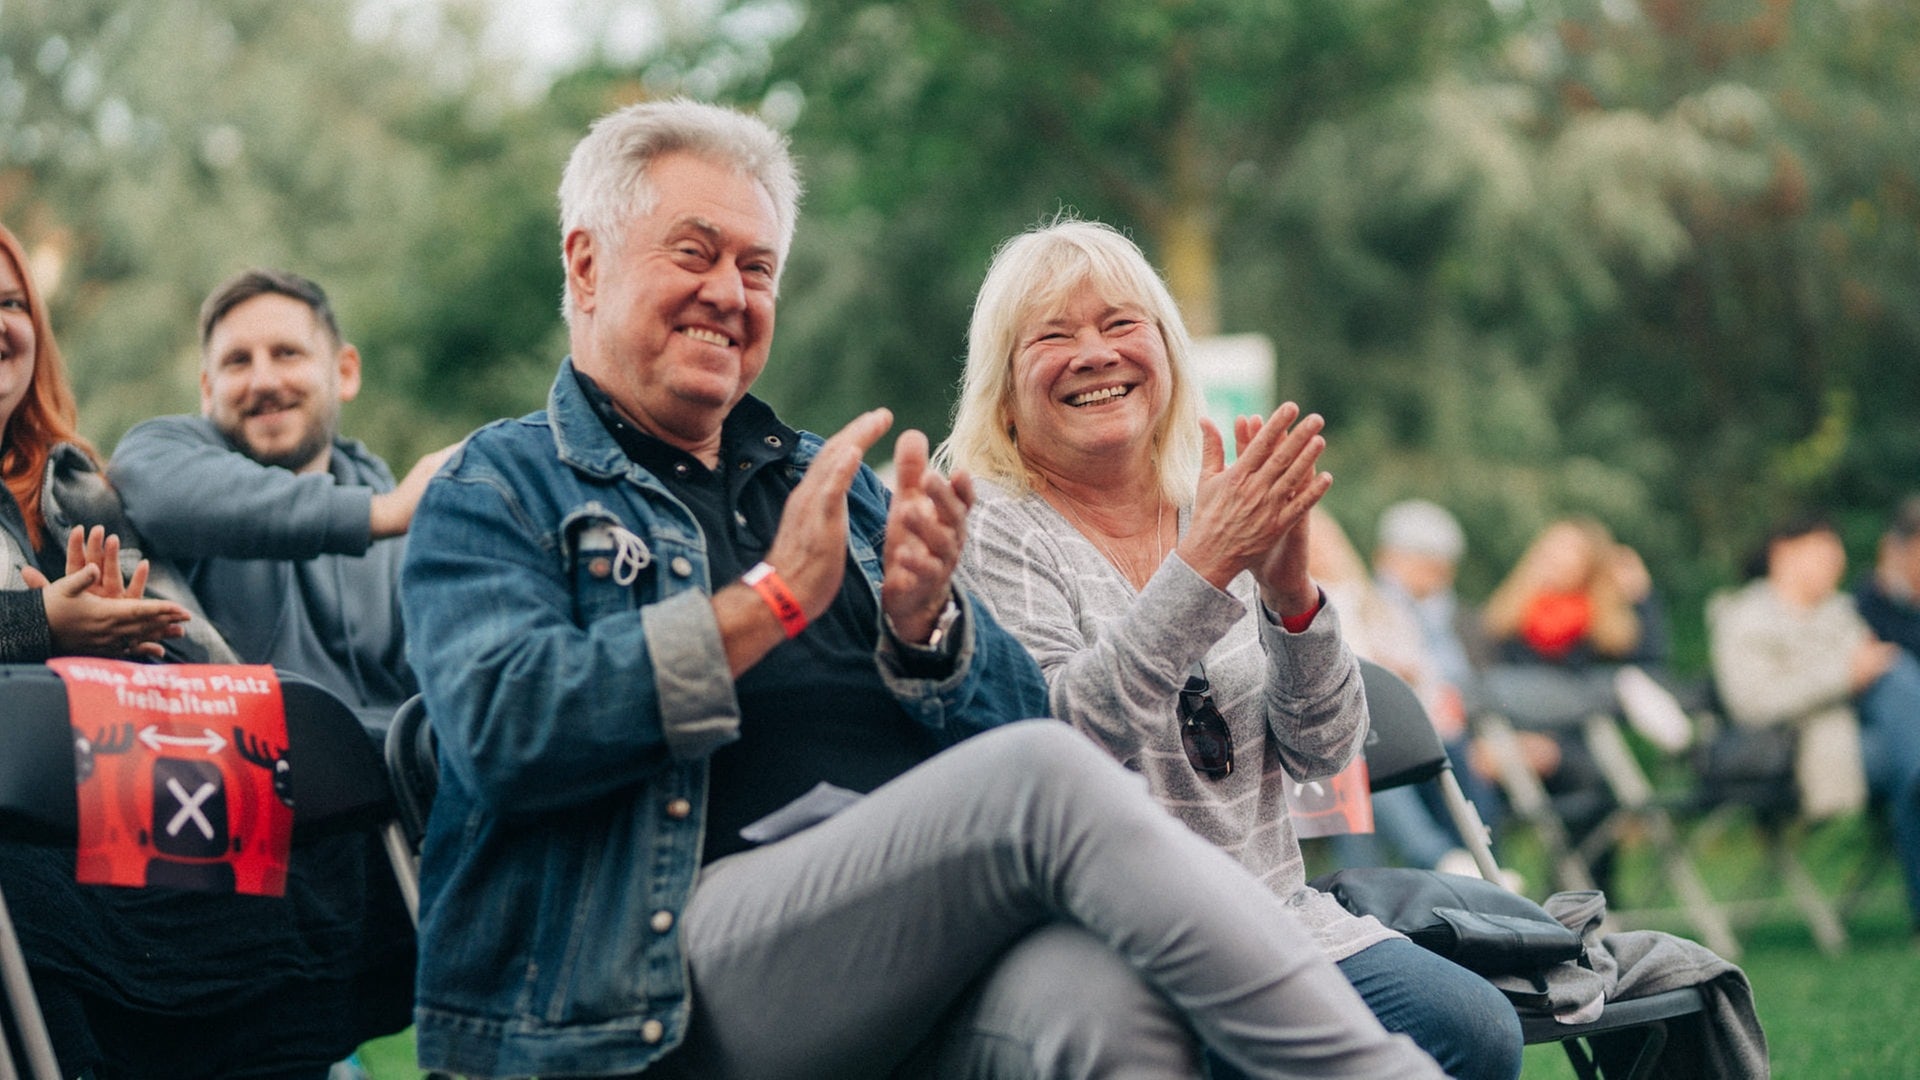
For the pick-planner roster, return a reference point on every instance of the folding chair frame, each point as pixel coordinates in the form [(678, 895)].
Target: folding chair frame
[(1403, 737)]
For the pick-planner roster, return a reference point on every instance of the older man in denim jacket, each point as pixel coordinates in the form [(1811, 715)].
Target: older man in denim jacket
[(712, 801)]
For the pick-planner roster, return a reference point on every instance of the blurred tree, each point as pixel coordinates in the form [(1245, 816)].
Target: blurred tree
[(933, 130), (148, 150), (1777, 355)]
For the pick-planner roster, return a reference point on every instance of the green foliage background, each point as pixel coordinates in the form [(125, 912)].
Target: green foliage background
[(1658, 260)]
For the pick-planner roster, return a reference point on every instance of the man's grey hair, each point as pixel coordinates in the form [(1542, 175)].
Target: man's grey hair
[(1034, 275), (607, 182)]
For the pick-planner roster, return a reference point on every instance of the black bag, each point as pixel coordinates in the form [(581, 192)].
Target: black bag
[(1476, 924), (1751, 766)]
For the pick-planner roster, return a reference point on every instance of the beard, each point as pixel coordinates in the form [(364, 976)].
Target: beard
[(316, 438)]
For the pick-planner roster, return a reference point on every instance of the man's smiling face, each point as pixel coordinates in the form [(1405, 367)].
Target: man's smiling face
[(679, 315), (273, 380)]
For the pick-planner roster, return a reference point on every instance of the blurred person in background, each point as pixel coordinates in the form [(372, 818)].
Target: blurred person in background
[(289, 533), (1416, 555), (1166, 595), (1889, 595), (1567, 639), (1378, 629), (1790, 648)]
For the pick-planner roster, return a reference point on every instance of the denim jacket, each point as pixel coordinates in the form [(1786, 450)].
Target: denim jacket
[(558, 615)]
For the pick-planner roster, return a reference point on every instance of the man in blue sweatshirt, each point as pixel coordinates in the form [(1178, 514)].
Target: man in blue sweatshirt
[(289, 534)]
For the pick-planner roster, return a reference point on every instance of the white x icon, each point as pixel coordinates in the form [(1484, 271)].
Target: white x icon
[(190, 807)]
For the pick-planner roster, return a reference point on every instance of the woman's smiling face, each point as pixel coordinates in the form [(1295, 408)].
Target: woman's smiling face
[(19, 345), (1090, 383)]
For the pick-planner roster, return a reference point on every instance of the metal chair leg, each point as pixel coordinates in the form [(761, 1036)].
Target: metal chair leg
[(29, 1025)]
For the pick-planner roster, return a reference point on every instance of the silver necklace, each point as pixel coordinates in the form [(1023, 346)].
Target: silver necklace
[(1128, 571)]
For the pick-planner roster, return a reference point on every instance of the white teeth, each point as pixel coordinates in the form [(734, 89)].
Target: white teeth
[(708, 336), (1092, 396)]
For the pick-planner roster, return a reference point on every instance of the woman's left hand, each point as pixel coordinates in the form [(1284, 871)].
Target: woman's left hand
[(1285, 585)]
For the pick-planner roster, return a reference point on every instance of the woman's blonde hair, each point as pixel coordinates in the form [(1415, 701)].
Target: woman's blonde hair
[(1032, 276)]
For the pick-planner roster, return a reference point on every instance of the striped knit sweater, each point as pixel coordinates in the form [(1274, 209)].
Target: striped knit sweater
[(1115, 659)]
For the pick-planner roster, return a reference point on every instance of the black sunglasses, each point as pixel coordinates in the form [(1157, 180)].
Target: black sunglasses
[(1204, 732)]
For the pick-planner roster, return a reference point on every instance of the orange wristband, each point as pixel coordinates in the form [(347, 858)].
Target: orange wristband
[(765, 580)]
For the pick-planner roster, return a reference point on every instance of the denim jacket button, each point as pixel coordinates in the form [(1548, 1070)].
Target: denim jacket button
[(600, 567), (653, 1031), (678, 809), (661, 922), (681, 567)]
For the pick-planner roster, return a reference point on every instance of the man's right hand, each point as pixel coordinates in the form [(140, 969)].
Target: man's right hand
[(392, 511), (809, 551)]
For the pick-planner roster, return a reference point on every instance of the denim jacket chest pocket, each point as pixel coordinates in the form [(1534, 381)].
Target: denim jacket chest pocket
[(617, 565), (613, 568)]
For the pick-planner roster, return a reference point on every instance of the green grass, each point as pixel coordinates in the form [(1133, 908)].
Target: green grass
[(1856, 1015), (1850, 1017)]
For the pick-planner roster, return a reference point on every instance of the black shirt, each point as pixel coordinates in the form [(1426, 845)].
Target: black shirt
[(815, 708)]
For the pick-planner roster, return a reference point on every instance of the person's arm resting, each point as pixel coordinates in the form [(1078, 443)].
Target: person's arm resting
[(193, 497), (25, 637)]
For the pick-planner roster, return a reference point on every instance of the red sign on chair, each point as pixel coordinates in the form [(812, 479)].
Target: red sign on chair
[(182, 775)]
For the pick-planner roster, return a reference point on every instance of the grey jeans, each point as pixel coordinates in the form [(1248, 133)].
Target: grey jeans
[(1018, 906)]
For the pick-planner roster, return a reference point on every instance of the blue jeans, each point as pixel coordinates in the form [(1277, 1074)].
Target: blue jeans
[(1890, 750), (1454, 1015)]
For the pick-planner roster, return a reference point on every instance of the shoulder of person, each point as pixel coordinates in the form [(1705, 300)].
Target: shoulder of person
[(1752, 600), (179, 427)]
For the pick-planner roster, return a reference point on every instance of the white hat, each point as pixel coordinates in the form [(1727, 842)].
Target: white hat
[(1422, 528)]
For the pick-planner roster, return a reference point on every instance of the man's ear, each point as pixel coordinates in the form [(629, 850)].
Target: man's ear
[(582, 268), (206, 390), (348, 359)]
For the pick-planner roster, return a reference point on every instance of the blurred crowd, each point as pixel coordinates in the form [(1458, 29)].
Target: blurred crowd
[(1806, 669)]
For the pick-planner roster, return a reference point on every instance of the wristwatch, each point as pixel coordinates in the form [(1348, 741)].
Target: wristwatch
[(939, 644)]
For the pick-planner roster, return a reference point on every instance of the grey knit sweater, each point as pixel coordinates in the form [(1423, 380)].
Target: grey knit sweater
[(1115, 660)]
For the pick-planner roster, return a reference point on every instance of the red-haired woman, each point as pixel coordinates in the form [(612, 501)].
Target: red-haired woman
[(89, 609)]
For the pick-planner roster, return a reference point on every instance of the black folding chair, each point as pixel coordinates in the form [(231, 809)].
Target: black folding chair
[(413, 771), (1402, 748), (337, 781)]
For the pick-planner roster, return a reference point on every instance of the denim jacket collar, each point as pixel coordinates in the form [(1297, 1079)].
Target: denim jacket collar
[(584, 443)]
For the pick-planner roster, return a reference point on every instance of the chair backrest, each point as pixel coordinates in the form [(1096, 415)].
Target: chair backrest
[(338, 781), (338, 784), (1401, 747), (413, 768)]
